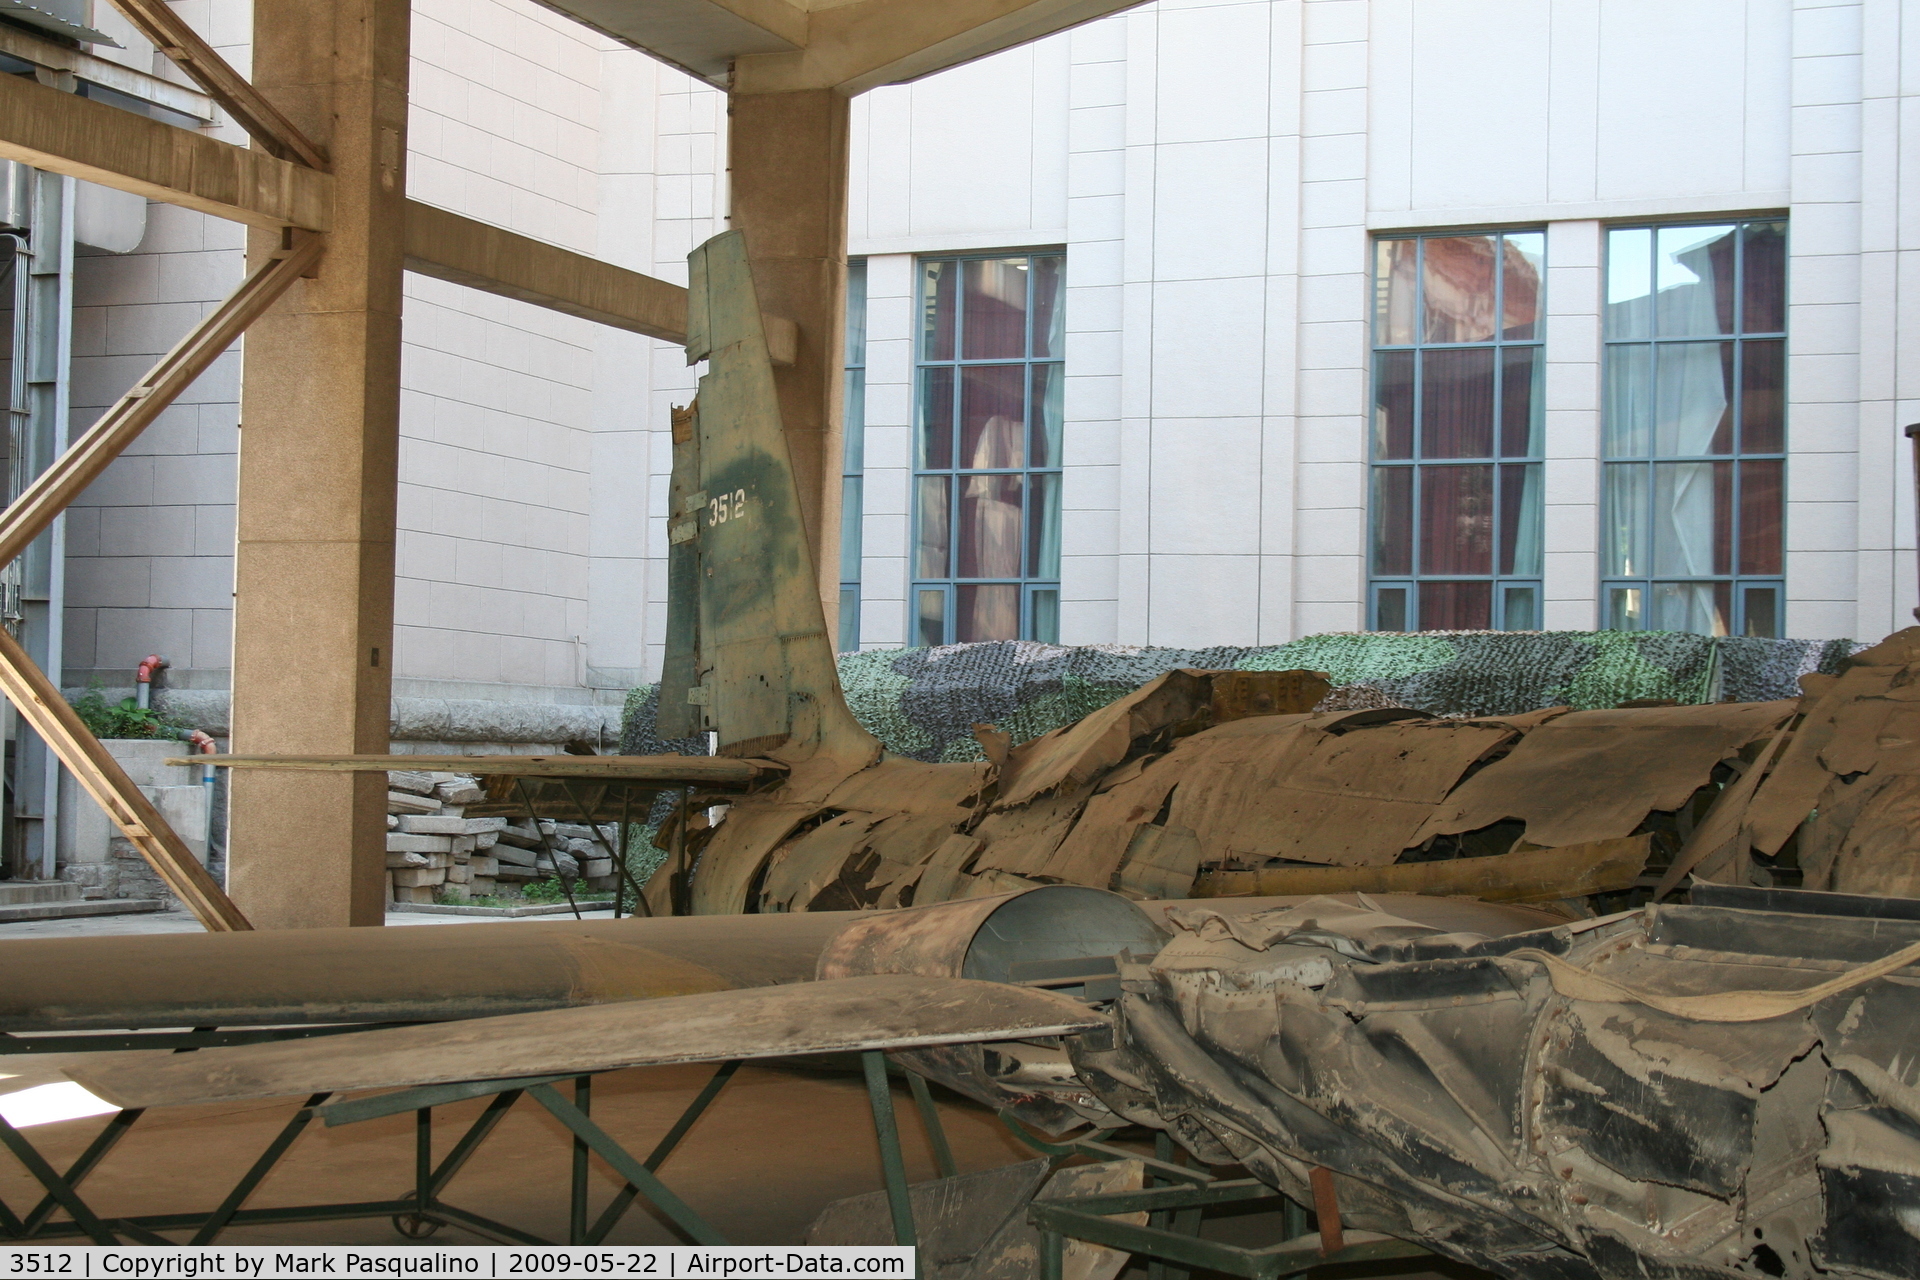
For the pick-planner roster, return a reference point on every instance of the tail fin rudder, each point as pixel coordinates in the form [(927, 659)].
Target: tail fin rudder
[(748, 654)]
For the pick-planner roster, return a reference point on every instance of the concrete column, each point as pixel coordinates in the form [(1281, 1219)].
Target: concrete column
[(320, 410), (787, 166)]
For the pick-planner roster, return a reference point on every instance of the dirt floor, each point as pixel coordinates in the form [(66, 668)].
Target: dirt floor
[(776, 1147)]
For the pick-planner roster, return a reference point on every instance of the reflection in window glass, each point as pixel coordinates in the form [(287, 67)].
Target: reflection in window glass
[(853, 457), (1694, 428), (1455, 505), (990, 414)]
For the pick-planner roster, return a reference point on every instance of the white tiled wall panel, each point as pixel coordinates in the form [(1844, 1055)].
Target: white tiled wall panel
[(1214, 170)]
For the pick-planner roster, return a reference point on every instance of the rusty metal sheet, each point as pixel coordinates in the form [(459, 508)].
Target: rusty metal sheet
[(1787, 796), (886, 1011), (388, 975), (1081, 752), (808, 863), (565, 799), (1595, 775), (1722, 836), (1352, 798), (1160, 862), (942, 876), (739, 848), (1865, 837), (1445, 914), (1730, 1099), (889, 860), (763, 661), (981, 937), (1022, 841), (1530, 875), (1866, 721), (995, 884), (1238, 695), (1092, 851), (895, 785)]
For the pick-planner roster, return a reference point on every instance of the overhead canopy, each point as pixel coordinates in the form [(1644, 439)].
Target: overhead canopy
[(849, 45)]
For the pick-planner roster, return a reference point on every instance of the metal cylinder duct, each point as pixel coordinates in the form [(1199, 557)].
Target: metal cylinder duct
[(986, 938), (1055, 935)]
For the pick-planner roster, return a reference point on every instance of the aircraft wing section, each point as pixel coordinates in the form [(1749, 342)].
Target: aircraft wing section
[(888, 1011)]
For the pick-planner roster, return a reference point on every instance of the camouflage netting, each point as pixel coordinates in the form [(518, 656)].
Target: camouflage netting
[(924, 702)]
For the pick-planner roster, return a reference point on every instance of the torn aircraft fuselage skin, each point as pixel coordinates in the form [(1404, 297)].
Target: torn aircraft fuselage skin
[(1717, 1089), (1683, 1091)]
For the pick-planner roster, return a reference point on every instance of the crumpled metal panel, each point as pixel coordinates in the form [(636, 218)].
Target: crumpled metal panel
[(1463, 1101)]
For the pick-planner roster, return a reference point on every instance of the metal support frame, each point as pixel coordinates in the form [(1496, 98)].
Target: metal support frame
[(1170, 1239), (1091, 1218), (628, 1194), (634, 1171), (421, 1211), (930, 1121), (1174, 1212), (249, 108), (546, 843), (418, 1213), (893, 1164)]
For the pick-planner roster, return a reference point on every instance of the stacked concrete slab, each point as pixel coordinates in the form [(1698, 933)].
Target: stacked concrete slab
[(435, 853)]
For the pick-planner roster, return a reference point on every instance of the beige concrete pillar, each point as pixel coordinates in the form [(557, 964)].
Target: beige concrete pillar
[(787, 173), (320, 412)]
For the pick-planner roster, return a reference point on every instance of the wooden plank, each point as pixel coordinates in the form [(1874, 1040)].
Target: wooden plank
[(63, 133), (41, 705), (887, 1011), (468, 252), (249, 108), (464, 251), (713, 770), (28, 516)]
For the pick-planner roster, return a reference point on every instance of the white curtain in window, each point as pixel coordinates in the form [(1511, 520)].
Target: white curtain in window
[(1527, 556), (1689, 399)]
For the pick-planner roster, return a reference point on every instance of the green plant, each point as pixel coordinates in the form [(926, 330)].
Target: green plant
[(123, 719), (543, 891)]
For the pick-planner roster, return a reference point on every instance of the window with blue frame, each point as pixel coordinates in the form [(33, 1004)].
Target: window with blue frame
[(853, 456), (1693, 428), (986, 547), (1455, 504)]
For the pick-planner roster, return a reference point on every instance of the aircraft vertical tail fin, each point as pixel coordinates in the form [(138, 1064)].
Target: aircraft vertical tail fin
[(748, 652)]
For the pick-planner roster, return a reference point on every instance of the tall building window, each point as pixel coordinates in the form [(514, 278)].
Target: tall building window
[(1456, 439), (853, 456), (987, 455), (1694, 428)]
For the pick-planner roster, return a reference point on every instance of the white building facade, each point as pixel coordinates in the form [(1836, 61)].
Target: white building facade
[(1208, 323), (1247, 195)]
